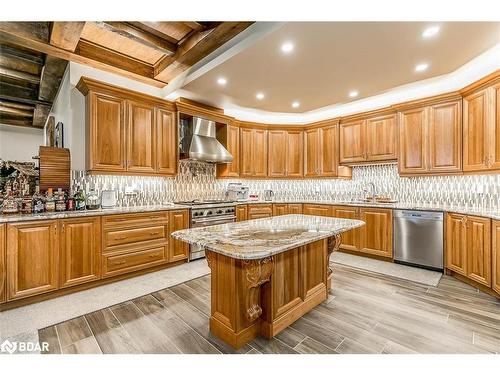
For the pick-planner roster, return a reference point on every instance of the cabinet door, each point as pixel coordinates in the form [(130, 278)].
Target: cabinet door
[(294, 154), (294, 208), (32, 258), (80, 250), (352, 238), (277, 153), (141, 150), (456, 237), (352, 142), (107, 133), (329, 158), (376, 234), (445, 137), (495, 131), (496, 255), (479, 249), (259, 152), (179, 250), (413, 141), (233, 146), (3, 266), (317, 209), (476, 131), (381, 138), (280, 209), (258, 211), (247, 164), (166, 142), (312, 152), (241, 213)]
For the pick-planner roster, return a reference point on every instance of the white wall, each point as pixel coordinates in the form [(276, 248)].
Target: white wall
[(19, 143)]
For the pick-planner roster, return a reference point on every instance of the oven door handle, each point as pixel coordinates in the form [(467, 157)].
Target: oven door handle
[(214, 222)]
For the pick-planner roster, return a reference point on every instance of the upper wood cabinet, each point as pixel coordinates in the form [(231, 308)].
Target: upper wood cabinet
[(3, 273), (128, 132), (430, 139), (32, 258), (495, 246), (369, 139), (229, 136), (321, 151), (253, 149), (481, 130), (286, 153)]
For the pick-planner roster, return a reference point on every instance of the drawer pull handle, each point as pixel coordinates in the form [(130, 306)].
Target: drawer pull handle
[(154, 233), (153, 255), (118, 219), (119, 262), (154, 217), (121, 238)]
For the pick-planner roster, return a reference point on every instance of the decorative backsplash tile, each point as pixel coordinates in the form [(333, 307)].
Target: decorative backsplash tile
[(196, 180)]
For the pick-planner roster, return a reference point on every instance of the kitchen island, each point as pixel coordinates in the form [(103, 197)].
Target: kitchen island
[(266, 273)]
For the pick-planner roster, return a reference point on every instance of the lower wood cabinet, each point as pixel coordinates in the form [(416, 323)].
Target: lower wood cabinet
[(287, 209), (294, 208), (3, 273), (495, 245), (118, 263), (468, 247), (32, 258), (79, 250), (350, 239), (259, 210), (179, 250), (317, 209), (242, 213)]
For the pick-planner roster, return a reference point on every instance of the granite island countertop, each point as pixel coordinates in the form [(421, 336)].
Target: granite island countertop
[(260, 238)]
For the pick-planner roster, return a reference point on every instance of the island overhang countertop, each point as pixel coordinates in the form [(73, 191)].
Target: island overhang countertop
[(260, 238)]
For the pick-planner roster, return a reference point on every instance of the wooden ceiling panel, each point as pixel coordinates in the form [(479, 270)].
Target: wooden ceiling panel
[(20, 60), (103, 36), (175, 31)]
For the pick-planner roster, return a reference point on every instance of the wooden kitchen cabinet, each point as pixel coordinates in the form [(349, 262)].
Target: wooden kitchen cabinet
[(280, 209), (371, 139), (321, 151), (32, 258), (351, 239), (456, 240), (3, 265), (312, 152), (179, 250), (286, 153), (141, 136), (229, 136), (495, 246), (80, 250), (294, 208), (376, 234), (241, 212), (166, 142), (430, 139), (317, 209), (259, 210), (253, 148)]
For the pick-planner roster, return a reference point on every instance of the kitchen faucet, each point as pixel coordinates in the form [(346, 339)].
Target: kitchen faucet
[(373, 190)]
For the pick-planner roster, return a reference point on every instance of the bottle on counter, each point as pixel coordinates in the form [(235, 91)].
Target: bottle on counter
[(10, 205), (50, 202), (70, 202), (79, 199), (37, 201), (26, 203), (60, 200), (93, 200)]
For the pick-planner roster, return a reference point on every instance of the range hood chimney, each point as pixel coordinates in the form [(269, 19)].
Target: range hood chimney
[(204, 145)]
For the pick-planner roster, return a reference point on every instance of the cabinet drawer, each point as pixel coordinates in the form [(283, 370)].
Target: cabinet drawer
[(126, 220), (126, 236), (116, 264)]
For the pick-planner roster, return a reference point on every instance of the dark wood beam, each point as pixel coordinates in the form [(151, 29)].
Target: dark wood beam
[(31, 43), (4, 96), (38, 31), (195, 47), (17, 75), (16, 111), (10, 90), (6, 119), (194, 25), (66, 35), (52, 74), (139, 36), (40, 115)]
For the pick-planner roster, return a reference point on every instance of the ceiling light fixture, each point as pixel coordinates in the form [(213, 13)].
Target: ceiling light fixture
[(421, 67), (287, 47), (222, 81), (295, 104), (353, 94), (260, 95), (430, 32)]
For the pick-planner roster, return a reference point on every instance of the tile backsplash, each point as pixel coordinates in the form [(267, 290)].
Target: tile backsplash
[(197, 180)]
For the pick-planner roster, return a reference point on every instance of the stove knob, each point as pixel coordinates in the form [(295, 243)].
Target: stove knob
[(209, 212), (219, 211)]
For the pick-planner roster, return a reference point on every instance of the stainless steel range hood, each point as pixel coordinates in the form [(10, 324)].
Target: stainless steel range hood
[(204, 146)]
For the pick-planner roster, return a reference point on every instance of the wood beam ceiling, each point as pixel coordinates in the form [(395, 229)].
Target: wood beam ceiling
[(66, 35)]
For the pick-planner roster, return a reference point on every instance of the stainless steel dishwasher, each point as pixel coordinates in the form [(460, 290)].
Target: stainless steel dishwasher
[(418, 238)]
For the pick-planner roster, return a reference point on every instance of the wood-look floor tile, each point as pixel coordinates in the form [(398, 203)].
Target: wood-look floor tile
[(49, 334), (253, 351), (143, 332), (273, 346), (395, 348), (318, 332), (86, 346), (201, 302), (200, 284), (109, 333), (72, 331), (310, 346), (290, 336), (487, 342), (184, 337), (349, 346)]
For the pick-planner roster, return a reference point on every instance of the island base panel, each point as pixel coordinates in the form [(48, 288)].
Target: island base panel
[(264, 296)]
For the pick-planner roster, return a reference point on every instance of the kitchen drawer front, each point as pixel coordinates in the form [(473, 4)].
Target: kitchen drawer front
[(127, 236), (120, 263), (127, 220), (259, 211)]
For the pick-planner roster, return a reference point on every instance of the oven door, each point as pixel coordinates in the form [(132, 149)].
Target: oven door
[(197, 252)]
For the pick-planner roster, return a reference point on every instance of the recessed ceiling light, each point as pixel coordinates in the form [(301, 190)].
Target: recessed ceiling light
[(430, 32), (221, 81), (260, 95), (421, 67), (287, 47), (295, 104), (353, 94)]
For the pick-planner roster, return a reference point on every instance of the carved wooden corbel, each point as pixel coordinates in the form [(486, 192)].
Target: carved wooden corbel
[(333, 245), (210, 256), (257, 272)]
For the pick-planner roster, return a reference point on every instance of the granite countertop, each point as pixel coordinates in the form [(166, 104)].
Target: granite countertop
[(492, 214), (103, 211), (260, 238)]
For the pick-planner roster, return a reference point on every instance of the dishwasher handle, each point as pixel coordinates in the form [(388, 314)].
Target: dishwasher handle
[(419, 215)]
